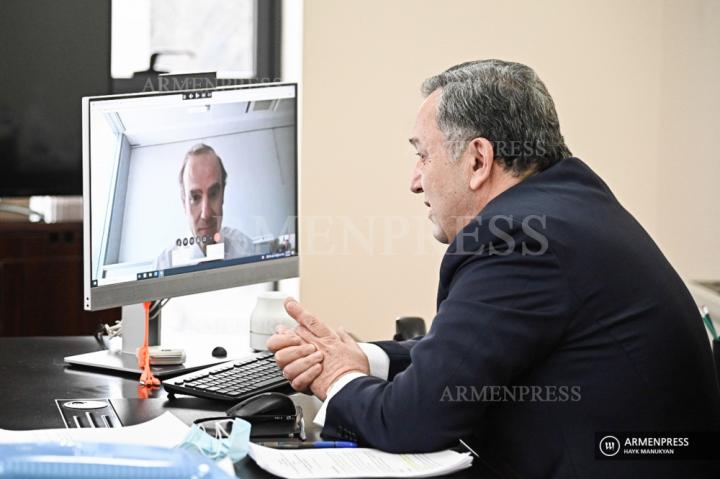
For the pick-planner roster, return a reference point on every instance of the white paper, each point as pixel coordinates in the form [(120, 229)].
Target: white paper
[(163, 431), (355, 462)]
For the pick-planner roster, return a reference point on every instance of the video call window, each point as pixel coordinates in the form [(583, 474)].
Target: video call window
[(179, 184)]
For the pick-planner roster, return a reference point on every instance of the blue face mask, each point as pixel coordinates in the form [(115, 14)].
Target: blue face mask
[(234, 447)]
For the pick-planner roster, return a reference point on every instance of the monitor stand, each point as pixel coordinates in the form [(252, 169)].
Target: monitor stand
[(133, 335)]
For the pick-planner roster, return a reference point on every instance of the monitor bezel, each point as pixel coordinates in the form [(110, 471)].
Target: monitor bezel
[(133, 292)]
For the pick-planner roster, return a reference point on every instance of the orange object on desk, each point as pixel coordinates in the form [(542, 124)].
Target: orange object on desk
[(146, 378)]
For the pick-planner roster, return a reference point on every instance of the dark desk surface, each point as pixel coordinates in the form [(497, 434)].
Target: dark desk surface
[(33, 374)]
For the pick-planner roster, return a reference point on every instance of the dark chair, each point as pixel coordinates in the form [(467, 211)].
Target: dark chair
[(409, 327)]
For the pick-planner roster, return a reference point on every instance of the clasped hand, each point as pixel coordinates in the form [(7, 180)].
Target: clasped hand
[(313, 356)]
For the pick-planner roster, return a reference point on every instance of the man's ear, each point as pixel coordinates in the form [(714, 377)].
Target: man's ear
[(480, 156)]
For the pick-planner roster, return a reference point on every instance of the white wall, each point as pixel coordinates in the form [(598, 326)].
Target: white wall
[(689, 164)]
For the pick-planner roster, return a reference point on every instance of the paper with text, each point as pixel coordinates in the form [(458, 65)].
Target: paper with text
[(360, 462)]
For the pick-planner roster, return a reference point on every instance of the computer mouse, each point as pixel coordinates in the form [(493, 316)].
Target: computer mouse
[(219, 352), (270, 403)]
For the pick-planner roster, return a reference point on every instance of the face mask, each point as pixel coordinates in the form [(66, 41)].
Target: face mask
[(234, 447)]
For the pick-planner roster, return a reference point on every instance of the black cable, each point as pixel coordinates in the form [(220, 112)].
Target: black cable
[(155, 309), (99, 332)]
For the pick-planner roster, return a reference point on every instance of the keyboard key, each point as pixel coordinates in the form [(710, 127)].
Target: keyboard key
[(232, 380), (267, 382)]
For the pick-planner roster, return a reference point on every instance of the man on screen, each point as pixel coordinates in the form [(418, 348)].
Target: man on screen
[(202, 192)]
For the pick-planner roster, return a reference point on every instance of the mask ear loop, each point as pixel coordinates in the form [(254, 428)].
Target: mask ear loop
[(216, 445), (230, 437), (220, 431), (195, 446), (200, 423)]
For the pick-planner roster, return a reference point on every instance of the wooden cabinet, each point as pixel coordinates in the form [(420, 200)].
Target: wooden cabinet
[(41, 281)]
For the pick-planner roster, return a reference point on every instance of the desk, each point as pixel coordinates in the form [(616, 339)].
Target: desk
[(33, 374)]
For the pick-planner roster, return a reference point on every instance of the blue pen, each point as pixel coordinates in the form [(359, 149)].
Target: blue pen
[(308, 445)]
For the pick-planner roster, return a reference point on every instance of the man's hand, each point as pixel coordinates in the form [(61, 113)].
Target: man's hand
[(299, 360), (339, 352)]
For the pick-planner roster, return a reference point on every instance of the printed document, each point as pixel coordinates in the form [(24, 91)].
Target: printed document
[(356, 462)]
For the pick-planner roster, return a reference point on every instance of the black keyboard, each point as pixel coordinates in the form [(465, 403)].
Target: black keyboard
[(231, 381)]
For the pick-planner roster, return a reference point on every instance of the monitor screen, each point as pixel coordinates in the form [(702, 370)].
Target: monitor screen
[(188, 191)]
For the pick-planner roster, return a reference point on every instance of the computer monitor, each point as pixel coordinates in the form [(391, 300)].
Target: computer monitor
[(188, 191)]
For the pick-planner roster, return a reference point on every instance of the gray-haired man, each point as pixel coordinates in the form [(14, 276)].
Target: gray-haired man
[(202, 182), (541, 342)]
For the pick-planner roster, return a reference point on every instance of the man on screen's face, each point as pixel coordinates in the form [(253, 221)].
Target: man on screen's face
[(202, 188)]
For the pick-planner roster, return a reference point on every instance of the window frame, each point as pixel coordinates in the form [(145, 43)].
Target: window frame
[(268, 46)]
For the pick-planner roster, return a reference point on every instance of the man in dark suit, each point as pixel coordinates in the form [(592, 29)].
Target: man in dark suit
[(558, 317)]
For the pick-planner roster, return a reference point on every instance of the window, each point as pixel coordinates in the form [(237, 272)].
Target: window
[(239, 39)]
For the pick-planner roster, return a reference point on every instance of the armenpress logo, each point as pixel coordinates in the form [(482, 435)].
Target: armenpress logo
[(609, 446)]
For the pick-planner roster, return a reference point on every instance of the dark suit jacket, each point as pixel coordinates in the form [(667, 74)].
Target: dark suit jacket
[(555, 289)]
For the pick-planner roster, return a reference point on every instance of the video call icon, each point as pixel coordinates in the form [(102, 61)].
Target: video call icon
[(204, 239), (192, 240)]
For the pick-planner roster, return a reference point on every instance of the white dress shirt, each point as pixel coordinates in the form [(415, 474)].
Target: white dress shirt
[(237, 245)]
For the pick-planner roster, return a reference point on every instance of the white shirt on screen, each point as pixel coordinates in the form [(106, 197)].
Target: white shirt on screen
[(237, 245)]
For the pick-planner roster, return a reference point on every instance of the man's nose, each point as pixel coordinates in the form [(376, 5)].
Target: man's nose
[(415, 180), (206, 211)]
